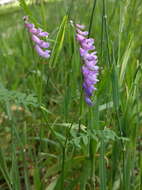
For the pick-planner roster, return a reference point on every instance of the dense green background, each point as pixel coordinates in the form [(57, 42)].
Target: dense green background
[(49, 138)]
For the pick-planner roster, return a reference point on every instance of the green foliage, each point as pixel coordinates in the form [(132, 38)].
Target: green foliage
[(60, 143), (4, 170), (28, 12), (58, 42), (18, 98)]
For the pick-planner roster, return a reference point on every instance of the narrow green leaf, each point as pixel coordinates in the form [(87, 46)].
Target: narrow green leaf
[(125, 59), (102, 168), (58, 42), (4, 170)]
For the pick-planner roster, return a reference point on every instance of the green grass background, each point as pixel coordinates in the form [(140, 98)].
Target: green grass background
[(49, 138)]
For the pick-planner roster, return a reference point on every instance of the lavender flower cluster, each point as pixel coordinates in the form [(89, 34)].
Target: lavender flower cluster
[(89, 68), (41, 46)]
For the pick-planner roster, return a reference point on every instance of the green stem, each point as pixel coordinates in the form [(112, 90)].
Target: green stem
[(102, 32), (102, 165), (106, 31), (91, 19), (91, 148), (63, 158)]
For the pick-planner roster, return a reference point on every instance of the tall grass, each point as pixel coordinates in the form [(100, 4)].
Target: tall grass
[(50, 139)]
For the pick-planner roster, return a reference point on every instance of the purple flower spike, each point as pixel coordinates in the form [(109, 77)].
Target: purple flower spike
[(90, 70), (36, 35)]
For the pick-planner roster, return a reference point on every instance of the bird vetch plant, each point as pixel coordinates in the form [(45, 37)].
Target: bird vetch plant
[(41, 46), (89, 68)]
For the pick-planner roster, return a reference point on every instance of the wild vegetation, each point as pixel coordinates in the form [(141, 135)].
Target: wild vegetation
[(50, 138)]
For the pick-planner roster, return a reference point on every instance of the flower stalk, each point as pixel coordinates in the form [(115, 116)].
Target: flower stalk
[(38, 37), (90, 69)]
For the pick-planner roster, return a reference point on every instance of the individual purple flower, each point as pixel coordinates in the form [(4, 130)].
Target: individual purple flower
[(80, 26), (90, 70), (43, 34), (33, 30), (82, 33), (44, 44), (36, 39), (41, 52), (37, 35)]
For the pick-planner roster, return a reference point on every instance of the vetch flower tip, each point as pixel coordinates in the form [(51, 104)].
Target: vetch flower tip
[(90, 69), (36, 35)]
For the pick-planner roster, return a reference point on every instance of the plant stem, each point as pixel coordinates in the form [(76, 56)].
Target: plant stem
[(91, 150), (91, 18)]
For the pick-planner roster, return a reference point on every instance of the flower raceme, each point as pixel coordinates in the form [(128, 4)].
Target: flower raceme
[(89, 68), (37, 35)]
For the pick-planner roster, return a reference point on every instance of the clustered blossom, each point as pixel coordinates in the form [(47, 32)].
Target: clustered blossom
[(37, 36), (89, 68)]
